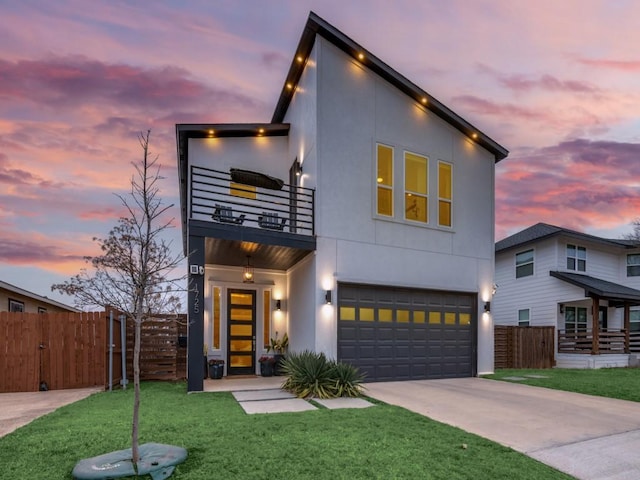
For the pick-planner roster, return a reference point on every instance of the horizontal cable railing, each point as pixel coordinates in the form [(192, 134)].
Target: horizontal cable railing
[(215, 197)]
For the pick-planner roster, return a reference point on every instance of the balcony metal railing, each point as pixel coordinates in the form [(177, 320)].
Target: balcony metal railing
[(215, 197)]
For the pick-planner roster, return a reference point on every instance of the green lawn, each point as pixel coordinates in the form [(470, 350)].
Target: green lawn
[(223, 442), (622, 383)]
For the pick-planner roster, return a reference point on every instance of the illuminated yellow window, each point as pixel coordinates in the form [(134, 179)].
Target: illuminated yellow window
[(434, 317), (385, 315), (418, 317), (366, 314), (347, 313), (241, 190), (216, 319), (415, 187), (266, 319), (445, 193), (465, 319), (449, 318), (402, 316), (384, 181)]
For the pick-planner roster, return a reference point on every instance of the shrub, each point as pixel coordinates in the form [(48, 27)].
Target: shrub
[(311, 374)]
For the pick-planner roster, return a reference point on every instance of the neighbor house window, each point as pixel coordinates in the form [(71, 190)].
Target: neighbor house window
[(634, 321), (524, 264), (445, 195), (575, 319), (633, 265), (523, 317), (576, 258), (415, 187), (16, 305), (384, 181), (42, 310)]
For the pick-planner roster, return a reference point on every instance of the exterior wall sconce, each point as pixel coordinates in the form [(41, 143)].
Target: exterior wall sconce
[(247, 271), (327, 297), (278, 305), (487, 307), (297, 168), (562, 308)]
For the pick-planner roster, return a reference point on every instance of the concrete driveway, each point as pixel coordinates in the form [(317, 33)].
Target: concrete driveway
[(585, 436), (18, 409)]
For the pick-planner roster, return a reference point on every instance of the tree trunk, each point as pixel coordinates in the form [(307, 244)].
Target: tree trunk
[(136, 392)]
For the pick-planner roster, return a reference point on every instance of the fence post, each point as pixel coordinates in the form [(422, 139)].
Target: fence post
[(123, 336), (110, 350)]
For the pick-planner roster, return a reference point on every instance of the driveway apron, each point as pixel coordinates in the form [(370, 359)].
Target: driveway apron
[(585, 436)]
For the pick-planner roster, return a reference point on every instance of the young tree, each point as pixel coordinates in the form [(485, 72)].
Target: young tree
[(131, 274)]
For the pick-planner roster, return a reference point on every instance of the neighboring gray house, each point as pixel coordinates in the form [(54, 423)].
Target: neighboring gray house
[(360, 221), (553, 276)]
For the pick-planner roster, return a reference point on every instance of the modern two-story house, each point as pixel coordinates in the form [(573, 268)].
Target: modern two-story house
[(583, 285), (359, 221)]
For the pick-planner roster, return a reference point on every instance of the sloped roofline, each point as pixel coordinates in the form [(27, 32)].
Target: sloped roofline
[(317, 26), (542, 231), (35, 296)]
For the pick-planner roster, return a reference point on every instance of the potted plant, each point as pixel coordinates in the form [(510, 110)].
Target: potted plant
[(267, 364), (279, 346), (216, 368)]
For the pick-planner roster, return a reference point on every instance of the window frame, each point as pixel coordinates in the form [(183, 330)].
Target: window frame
[(378, 184), (408, 192), (579, 326), (442, 199), (527, 322), (575, 258), (634, 324), (16, 306), (532, 263), (635, 267)]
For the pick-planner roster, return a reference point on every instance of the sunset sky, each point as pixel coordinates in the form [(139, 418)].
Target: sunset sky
[(555, 82)]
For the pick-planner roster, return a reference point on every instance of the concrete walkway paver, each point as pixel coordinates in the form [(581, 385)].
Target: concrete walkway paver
[(550, 425), (18, 409)]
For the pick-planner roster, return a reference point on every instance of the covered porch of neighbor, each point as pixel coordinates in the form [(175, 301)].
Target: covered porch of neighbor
[(611, 340)]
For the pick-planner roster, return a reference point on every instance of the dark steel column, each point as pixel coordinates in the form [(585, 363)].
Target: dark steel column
[(195, 315)]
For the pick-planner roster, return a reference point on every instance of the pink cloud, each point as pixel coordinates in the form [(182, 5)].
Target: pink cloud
[(603, 63)]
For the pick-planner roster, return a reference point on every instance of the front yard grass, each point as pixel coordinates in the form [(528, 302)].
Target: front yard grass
[(622, 383), (223, 442)]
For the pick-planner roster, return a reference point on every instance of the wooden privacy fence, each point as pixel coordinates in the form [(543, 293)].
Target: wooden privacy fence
[(524, 347), (72, 350), (63, 350), (161, 355)]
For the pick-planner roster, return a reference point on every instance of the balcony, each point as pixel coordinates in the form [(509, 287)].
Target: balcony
[(271, 221)]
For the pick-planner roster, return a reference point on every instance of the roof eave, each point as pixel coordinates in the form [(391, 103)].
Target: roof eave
[(317, 26)]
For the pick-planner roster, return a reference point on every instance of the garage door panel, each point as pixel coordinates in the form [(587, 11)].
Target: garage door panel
[(401, 333)]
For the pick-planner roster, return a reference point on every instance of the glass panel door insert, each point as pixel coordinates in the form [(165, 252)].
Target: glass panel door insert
[(241, 316)]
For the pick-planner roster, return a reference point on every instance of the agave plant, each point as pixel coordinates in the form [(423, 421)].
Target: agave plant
[(311, 374)]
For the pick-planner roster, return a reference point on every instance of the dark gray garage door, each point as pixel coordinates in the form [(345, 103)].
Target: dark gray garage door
[(407, 334)]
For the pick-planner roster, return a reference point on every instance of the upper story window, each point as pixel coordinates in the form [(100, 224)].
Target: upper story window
[(384, 181), (445, 193), (633, 265), (524, 264), (242, 190), (416, 189), (576, 258), (42, 310), (524, 317)]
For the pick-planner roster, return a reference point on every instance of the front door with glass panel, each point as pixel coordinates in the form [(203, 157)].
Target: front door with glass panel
[(241, 317)]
